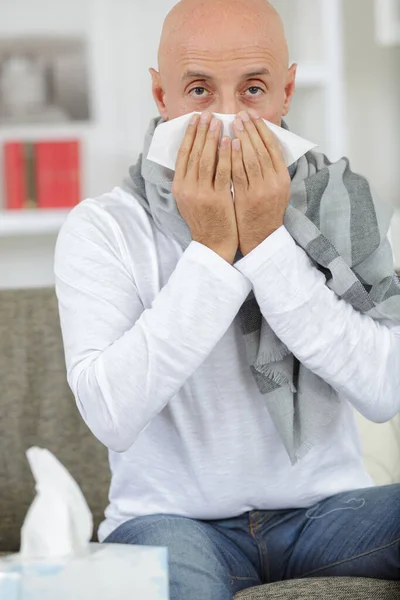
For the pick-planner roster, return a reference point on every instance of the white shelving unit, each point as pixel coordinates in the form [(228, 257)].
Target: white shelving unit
[(40, 222), (31, 222)]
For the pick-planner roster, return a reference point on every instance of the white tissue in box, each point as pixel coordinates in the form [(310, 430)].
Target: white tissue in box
[(59, 522), (57, 562), (108, 572)]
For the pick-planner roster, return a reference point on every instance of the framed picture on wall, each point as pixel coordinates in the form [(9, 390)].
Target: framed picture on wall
[(387, 19)]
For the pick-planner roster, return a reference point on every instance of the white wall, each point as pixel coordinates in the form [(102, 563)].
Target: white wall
[(373, 100), (373, 93)]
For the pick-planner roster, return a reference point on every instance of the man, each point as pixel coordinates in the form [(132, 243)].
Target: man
[(229, 416)]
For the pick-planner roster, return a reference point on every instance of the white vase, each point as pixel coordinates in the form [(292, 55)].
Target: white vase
[(22, 87)]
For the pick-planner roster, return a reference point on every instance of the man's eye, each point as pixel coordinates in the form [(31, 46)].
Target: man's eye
[(254, 90), (198, 92)]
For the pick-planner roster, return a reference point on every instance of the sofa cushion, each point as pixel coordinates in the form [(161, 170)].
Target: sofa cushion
[(37, 408), (332, 588)]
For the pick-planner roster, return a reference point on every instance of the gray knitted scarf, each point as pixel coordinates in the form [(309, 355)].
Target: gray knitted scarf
[(334, 217)]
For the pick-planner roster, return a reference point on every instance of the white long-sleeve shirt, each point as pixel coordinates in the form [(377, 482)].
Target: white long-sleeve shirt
[(157, 363)]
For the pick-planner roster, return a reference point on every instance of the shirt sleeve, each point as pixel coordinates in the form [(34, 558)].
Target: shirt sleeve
[(124, 362), (358, 356)]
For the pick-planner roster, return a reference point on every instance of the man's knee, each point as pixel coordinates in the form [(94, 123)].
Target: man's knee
[(196, 564), (179, 534)]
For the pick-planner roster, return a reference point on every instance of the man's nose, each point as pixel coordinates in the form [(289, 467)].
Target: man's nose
[(228, 105)]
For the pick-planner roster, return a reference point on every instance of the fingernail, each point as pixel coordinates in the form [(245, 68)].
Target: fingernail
[(254, 114), (204, 117), (236, 144), (194, 119), (244, 116), (225, 141), (238, 123), (214, 124)]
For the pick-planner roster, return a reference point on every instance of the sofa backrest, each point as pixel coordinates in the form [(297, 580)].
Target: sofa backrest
[(38, 409)]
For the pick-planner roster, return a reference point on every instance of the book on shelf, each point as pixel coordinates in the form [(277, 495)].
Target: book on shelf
[(42, 174)]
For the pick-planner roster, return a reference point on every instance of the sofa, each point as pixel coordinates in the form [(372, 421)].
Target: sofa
[(37, 408)]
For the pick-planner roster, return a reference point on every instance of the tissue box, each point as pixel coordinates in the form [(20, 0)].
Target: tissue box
[(107, 572)]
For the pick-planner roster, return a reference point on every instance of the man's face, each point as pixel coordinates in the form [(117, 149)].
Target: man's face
[(227, 85), (225, 68)]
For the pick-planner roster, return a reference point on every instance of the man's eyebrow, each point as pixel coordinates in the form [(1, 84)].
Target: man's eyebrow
[(256, 73), (195, 75)]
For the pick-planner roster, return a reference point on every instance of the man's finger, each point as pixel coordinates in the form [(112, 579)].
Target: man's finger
[(271, 143), (186, 148), (208, 158), (192, 171), (250, 158), (258, 144), (239, 176), (223, 175)]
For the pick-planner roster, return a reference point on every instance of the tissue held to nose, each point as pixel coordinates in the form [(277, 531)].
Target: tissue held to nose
[(59, 522), (168, 137)]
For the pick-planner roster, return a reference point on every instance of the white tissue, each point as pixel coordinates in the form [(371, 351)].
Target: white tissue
[(59, 522), (168, 137)]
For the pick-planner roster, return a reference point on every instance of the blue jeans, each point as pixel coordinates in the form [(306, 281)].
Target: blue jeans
[(352, 534)]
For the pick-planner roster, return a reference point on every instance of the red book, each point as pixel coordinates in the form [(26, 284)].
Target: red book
[(15, 175), (58, 174)]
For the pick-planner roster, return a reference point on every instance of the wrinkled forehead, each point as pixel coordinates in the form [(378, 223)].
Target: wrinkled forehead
[(235, 64)]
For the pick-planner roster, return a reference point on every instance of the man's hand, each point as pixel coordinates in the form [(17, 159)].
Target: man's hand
[(261, 181), (202, 187)]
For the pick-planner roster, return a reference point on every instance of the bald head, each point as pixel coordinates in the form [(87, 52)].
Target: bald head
[(222, 23), (223, 56)]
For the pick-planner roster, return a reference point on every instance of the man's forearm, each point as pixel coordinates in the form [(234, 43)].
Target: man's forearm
[(358, 356), (122, 387)]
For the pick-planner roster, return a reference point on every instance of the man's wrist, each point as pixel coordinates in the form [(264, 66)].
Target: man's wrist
[(247, 247), (225, 252)]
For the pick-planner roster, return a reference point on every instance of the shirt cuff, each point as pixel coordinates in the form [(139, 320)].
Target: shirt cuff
[(282, 275), (218, 267), (279, 241)]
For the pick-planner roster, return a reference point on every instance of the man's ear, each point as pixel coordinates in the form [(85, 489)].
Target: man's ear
[(158, 93), (289, 88)]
